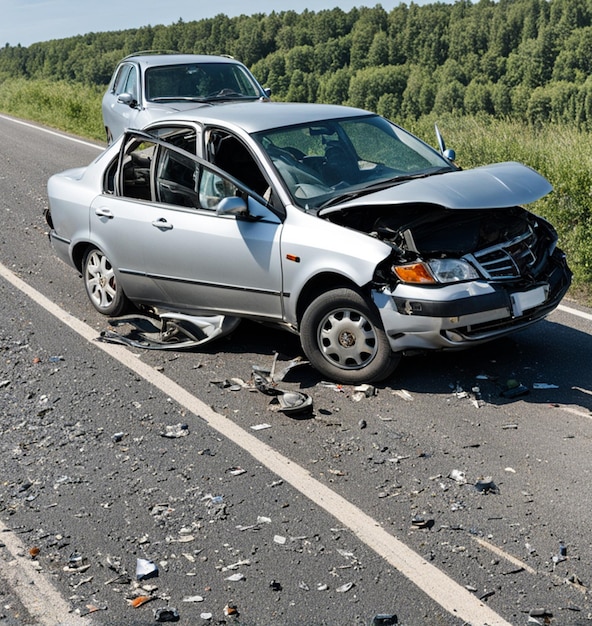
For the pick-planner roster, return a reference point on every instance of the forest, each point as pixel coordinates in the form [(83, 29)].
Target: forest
[(528, 59), (506, 80)]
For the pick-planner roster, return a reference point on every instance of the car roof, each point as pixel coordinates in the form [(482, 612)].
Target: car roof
[(256, 117), (157, 60)]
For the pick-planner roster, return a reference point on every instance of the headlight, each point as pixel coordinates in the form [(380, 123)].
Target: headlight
[(436, 271), (452, 270)]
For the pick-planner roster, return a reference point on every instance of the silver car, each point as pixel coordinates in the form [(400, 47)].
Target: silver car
[(144, 87), (329, 221)]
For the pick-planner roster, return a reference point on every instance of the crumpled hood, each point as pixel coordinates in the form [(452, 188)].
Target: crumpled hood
[(489, 187)]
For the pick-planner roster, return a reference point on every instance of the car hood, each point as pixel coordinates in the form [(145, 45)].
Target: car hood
[(488, 187)]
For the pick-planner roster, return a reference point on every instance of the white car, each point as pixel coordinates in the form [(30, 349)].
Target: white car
[(144, 87), (329, 221)]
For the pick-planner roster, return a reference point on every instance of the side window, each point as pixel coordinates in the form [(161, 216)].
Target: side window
[(177, 179), (213, 188), (121, 79), (131, 84), (232, 156), (134, 172), (152, 171)]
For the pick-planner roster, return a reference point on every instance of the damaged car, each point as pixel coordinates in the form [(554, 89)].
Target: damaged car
[(329, 221)]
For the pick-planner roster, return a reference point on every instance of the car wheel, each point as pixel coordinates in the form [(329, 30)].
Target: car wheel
[(343, 338), (101, 284)]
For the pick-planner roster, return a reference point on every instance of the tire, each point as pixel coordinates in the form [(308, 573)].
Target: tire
[(101, 284), (343, 338)]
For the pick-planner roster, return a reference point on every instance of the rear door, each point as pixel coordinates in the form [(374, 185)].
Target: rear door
[(197, 260)]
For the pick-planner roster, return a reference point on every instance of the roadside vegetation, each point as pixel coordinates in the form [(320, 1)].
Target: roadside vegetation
[(510, 80)]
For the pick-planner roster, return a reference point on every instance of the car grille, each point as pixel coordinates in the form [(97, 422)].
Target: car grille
[(506, 260)]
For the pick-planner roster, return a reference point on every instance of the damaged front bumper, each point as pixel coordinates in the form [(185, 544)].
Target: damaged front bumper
[(460, 315)]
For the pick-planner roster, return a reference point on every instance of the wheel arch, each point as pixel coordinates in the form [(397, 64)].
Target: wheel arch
[(78, 253), (320, 284)]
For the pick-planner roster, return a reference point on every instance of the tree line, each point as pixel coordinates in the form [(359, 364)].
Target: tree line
[(528, 60)]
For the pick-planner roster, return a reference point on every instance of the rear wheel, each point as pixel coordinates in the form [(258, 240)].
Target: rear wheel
[(343, 338), (101, 284)]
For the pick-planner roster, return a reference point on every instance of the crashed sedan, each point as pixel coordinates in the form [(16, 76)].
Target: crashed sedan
[(329, 221)]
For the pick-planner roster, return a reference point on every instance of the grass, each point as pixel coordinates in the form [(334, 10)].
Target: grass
[(562, 154)]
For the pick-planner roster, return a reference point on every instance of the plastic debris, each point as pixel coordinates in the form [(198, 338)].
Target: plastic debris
[(279, 539), (117, 437), (231, 610), (458, 476), (384, 620), (292, 401), (265, 381), (175, 431), (166, 615), (169, 331), (486, 485), (140, 600), (544, 386), (403, 394), (193, 599), (234, 578), (344, 588), (274, 585), (514, 389), (260, 426), (363, 391), (76, 563), (146, 569), (206, 616)]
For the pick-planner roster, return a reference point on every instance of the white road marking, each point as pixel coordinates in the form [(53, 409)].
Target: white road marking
[(451, 596), (576, 312), (52, 132), (36, 593)]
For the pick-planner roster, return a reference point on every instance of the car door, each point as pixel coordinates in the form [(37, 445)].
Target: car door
[(122, 104), (201, 261)]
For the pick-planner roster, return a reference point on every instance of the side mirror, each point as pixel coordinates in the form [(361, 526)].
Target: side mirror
[(232, 206), (267, 92), (127, 98), (446, 153)]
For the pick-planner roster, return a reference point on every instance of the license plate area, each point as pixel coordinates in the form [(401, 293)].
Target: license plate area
[(525, 300)]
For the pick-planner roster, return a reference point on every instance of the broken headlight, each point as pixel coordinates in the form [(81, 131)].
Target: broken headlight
[(436, 271)]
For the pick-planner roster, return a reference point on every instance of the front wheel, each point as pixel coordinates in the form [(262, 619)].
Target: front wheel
[(101, 284), (343, 338)]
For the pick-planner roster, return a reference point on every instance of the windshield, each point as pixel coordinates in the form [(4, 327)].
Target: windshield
[(199, 81), (323, 162)]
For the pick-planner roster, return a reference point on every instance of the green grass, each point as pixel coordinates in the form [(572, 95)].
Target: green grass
[(71, 107), (562, 154)]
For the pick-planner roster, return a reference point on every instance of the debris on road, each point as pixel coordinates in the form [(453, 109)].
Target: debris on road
[(169, 331), (146, 569), (174, 431), (166, 615)]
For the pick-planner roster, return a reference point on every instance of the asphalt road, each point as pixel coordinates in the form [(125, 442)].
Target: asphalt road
[(335, 519)]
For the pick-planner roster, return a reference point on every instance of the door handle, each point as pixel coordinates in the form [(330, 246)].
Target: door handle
[(104, 212), (162, 224)]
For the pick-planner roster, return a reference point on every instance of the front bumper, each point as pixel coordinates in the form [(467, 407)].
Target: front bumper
[(465, 314)]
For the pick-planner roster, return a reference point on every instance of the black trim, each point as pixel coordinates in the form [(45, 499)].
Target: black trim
[(453, 308), (201, 283)]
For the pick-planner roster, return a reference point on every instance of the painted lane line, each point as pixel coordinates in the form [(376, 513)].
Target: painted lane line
[(41, 599), (451, 596), (576, 312), (52, 132)]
